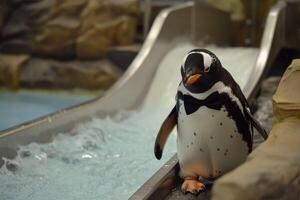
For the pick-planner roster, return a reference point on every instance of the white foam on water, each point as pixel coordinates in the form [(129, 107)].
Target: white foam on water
[(109, 158), (104, 159)]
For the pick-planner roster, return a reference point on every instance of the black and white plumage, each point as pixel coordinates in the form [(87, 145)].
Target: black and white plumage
[(214, 122)]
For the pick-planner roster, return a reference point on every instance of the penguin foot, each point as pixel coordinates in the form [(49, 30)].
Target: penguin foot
[(192, 185)]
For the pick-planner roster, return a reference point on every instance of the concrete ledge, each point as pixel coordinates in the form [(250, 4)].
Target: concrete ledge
[(272, 171)]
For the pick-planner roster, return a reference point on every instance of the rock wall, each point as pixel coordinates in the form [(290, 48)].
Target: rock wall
[(272, 170), (50, 73), (11, 67), (65, 41), (70, 28)]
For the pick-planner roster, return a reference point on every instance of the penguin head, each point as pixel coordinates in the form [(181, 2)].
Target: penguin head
[(199, 70)]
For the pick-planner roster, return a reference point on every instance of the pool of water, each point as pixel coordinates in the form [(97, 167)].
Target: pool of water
[(24, 105), (109, 158), (104, 159)]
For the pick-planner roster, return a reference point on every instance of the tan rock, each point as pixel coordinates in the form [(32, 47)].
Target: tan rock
[(67, 8), (10, 69), (64, 29), (95, 12), (126, 7), (126, 30), (56, 38), (106, 10), (286, 101), (36, 13), (97, 40), (43, 73)]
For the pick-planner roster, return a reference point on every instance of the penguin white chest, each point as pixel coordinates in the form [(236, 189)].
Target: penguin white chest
[(208, 142)]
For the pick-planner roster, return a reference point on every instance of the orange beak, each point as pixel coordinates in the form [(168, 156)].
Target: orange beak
[(192, 79)]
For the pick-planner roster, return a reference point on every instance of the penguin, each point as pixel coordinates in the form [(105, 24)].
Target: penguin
[(214, 122)]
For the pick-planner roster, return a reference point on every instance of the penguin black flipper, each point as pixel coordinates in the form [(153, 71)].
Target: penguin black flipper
[(238, 92), (228, 79), (248, 114), (164, 132), (256, 125)]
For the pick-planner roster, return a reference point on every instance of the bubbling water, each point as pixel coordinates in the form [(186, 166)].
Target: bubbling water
[(103, 159)]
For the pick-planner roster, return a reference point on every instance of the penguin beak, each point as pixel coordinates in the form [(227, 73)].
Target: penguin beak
[(192, 79)]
